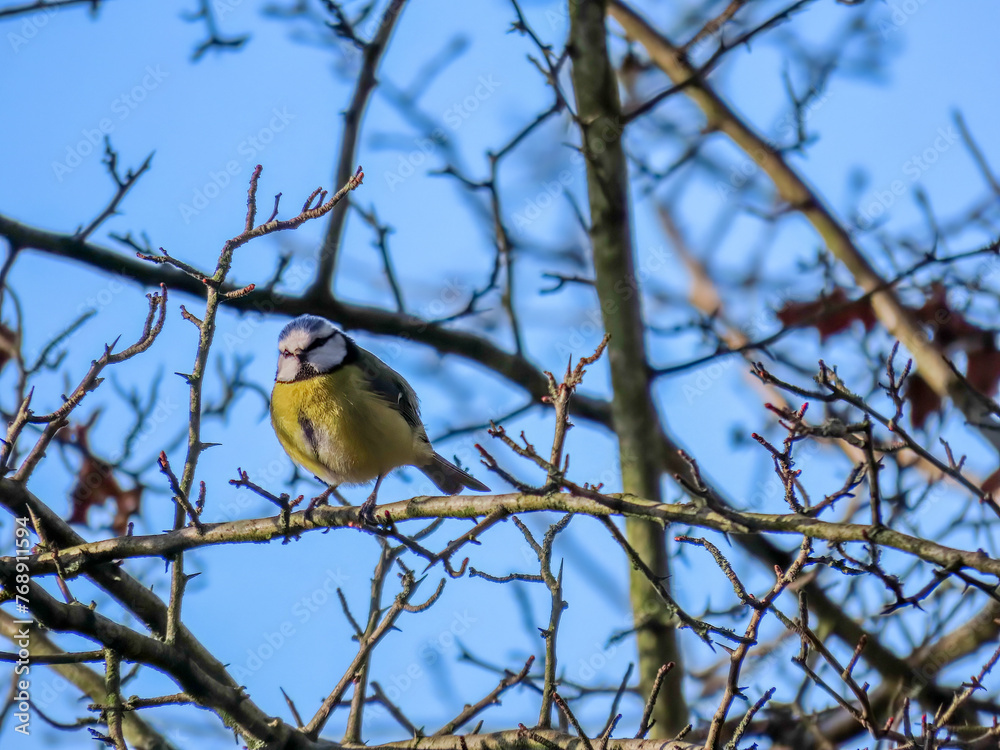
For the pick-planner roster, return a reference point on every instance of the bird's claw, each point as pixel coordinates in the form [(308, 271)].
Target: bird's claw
[(366, 512)]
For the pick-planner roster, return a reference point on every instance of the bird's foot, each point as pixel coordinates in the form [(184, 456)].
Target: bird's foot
[(319, 500), (366, 513), (322, 498)]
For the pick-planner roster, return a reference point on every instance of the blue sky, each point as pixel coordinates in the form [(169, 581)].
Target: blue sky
[(67, 79)]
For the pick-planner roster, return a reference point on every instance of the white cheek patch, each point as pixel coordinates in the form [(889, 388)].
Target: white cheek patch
[(288, 368), (328, 356)]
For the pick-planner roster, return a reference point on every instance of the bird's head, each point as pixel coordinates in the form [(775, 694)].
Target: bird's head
[(310, 346)]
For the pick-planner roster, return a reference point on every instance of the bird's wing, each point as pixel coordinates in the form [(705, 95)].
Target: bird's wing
[(391, 386)]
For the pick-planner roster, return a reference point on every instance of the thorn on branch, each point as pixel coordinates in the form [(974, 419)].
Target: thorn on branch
[(274, 212)]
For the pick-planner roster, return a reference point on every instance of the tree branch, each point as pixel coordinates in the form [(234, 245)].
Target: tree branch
[(372, 55), (634, 414)]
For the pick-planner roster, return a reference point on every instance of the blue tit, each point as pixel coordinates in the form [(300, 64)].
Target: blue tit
[(344, 415)]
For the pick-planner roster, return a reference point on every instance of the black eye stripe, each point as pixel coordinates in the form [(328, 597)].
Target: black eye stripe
[(318, 343)]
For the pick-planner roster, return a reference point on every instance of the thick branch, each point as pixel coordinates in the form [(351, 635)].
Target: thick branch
[(90, 556), (634, 414), (137, 732), (46, 6), (536, 739), (76, 618)]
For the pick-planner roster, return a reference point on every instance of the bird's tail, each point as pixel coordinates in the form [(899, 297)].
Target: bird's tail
[(449, 478)]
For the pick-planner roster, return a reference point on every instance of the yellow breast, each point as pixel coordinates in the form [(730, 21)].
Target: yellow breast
[(335, 427)]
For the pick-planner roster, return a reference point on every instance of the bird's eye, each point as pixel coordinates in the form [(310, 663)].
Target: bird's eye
[(286, 354)]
